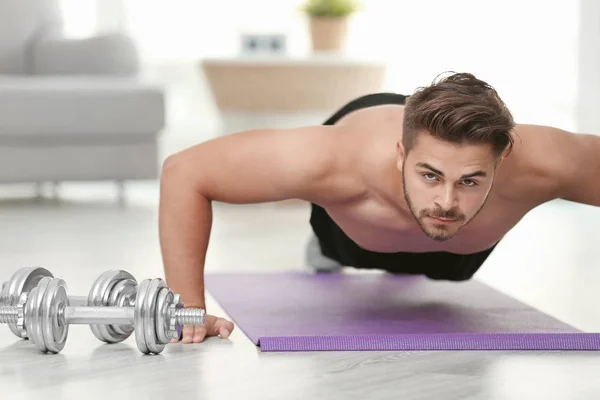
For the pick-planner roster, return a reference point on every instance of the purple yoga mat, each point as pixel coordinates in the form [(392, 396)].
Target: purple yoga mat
[(296, 311)]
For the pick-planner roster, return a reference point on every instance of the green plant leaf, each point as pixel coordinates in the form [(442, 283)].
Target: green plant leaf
[(330, 8)]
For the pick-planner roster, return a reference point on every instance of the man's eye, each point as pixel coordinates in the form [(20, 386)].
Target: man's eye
[(469, 182), (429, 177)]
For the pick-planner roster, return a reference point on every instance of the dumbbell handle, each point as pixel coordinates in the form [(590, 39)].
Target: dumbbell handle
[(99, 315), (106, 315)]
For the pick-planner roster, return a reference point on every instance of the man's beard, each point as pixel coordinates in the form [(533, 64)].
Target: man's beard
[(441, 234)]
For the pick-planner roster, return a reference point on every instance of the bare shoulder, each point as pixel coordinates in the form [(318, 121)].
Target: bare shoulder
[(259, 165), (548, 162), (330, 153)]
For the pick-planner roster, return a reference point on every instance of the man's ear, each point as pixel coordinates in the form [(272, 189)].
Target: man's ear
[(502, 157), (400, 154)]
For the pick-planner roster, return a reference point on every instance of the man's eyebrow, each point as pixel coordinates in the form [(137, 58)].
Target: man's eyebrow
[(440, 173)]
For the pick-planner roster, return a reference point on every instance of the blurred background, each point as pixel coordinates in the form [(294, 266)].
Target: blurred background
[(539, 55), (174, 73), (94, 94)]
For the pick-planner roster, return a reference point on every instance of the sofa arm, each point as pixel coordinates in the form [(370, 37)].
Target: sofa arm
[(107, 54)]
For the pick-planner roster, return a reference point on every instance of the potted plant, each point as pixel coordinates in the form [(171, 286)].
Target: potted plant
[(328, 22)]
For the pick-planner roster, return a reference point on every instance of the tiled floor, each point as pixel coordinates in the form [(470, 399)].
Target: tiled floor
[(551, 260)]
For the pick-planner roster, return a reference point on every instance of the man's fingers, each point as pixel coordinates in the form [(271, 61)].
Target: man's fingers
[(226, 329), (199, 334), (188, 334), (222, 327), (214, 327), (224, 332)]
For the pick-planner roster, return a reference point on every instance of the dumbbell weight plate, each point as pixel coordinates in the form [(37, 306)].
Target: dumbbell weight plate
[(112, 288), (23, 280), (43, 311), (166, 297), (54, 328), (146, 304)]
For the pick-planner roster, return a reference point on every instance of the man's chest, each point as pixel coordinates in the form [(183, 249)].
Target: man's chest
[(378, 227)]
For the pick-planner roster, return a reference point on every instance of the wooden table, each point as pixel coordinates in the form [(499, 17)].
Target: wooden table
[(279, 83)]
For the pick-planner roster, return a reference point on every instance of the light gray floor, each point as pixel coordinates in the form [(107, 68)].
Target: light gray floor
[(551, 261)]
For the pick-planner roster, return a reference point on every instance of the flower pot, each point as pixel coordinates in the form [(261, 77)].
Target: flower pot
[(327, 33)]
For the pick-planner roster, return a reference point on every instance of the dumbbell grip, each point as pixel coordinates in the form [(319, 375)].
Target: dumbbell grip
[(99, 315), (104, 315), (81, 315)]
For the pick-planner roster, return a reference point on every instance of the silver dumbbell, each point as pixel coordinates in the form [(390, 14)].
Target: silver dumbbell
[(111, 288), (22, 281), (45, 314)]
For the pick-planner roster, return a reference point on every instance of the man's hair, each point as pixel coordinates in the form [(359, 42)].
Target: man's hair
[(459, 109)]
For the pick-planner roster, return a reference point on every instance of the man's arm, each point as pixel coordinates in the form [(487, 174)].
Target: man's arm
[(247, 167), (570, 164)]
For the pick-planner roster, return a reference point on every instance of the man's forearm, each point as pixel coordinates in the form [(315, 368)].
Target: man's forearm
[(185, 220)]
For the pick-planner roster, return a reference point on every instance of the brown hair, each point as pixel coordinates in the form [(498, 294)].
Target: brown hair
[(459, 109)]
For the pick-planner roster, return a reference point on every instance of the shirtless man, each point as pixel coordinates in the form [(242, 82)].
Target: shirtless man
[(426, 184)]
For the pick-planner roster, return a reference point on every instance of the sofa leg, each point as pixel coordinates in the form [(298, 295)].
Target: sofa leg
[(121, 192), (39, 191)]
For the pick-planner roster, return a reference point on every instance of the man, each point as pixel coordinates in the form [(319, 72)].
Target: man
[(426, 184)]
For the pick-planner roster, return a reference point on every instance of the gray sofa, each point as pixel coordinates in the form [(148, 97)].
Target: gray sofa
[(72, 109)]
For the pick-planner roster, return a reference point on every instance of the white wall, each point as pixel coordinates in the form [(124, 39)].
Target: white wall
[(588, 99), (79, 17), (528, 50)]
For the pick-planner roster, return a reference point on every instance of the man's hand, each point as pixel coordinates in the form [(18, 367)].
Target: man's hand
[(214, 326)]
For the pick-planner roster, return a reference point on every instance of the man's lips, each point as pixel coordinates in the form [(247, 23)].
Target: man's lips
[(442, 220)]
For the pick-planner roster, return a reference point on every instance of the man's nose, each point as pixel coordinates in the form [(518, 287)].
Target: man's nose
[(447, 198)]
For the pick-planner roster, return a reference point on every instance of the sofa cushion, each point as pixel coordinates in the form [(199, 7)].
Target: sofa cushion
[(21, 21), (79, 106)]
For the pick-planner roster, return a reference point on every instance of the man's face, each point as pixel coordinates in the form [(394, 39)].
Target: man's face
[(445, 185)]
